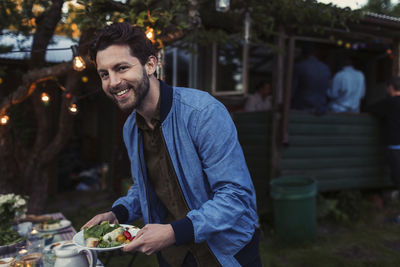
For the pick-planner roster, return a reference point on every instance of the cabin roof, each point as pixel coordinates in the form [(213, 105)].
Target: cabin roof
[(382, 17)]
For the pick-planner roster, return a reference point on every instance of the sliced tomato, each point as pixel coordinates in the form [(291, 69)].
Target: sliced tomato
[(130, 239), (127, 235)]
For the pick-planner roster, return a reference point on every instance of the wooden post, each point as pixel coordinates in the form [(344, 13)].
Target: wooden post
[(288, 90), (396, 59), (245, 56), (277, 90)]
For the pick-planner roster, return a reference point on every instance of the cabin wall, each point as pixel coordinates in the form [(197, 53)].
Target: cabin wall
[(340, 151)]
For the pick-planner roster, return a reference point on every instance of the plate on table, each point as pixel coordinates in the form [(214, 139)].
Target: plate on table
[(10, 248), (53, 227), (5, 262), (79, 240)]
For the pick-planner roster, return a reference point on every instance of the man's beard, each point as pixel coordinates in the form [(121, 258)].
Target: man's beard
[(140, 91)]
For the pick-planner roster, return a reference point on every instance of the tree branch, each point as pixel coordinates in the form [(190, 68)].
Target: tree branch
[(29, 82)]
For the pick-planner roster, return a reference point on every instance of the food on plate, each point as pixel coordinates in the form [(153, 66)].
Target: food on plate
[(9, 236), (92, 242), (50, 225), (5, 262), (105, 236)]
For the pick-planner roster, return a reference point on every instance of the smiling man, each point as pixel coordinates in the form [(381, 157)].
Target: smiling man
[(191, 184)]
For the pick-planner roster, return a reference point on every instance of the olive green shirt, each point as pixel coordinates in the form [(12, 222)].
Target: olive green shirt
[(162, 176)]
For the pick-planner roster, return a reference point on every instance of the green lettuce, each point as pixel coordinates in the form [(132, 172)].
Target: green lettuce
[(98, 231)]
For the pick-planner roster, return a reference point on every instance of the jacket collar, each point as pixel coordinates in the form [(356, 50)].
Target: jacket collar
[(166, 94)]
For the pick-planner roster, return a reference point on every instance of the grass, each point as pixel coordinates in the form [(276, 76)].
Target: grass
[(355, 246), (368, 240)]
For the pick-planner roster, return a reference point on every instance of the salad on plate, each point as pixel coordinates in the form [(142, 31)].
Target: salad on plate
[(106, 235)]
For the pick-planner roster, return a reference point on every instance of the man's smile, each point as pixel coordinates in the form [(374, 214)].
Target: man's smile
[(120, 93)]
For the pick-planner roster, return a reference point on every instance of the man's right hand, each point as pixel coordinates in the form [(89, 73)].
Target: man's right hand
[(107, 216)]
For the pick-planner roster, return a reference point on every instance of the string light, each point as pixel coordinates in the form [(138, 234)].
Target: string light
[(1, 80), (150, 33), (222, 5), (85, 79), (78, 62), (73, 108), (45, 98), (4, 119), (68, 95)]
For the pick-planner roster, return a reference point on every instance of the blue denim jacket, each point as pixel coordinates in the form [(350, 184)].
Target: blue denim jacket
[(202, 142)]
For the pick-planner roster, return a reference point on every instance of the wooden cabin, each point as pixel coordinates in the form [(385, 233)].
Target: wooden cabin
[(340, 151)]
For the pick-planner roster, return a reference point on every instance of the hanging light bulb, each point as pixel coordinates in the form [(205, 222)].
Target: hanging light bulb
[(222, 5), (4, 119), (78, 62), (45, 98), (150, 33), (73, 109)]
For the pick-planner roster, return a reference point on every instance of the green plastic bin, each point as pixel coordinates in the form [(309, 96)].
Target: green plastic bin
[(294, 205)]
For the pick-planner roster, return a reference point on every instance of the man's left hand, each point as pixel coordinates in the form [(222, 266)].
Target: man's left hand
[(152, 238)]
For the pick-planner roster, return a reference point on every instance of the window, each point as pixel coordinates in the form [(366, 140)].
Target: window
[(180, 67), (228, 70)]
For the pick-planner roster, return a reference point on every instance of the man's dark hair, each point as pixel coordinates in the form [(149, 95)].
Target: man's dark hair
[(395, 82), (123, 34)]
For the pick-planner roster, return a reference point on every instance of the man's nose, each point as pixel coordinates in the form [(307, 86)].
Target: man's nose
[(115, 80)]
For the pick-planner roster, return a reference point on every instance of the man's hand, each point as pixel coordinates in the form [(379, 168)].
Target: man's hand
[(152, 238), (107, 216)]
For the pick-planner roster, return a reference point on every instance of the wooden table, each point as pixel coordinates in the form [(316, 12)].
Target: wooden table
[(62, 235)]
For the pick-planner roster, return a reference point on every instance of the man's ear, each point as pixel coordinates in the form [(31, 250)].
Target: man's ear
[(151, 65)]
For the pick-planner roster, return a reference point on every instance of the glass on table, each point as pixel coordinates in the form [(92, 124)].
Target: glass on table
[(21, 250), (35, 242), (49, 258)]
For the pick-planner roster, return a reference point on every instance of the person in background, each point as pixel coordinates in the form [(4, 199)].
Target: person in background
[(388, 110), (261, 99), (191, 184), (348, 88), (311, 79)]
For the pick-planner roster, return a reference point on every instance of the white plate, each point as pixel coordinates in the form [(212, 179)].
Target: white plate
[(62, 224), (79, 240), (6, 261), (10, 248)]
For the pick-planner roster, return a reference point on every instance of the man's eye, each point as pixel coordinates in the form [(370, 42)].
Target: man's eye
[(103, 75), (122, 68)]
